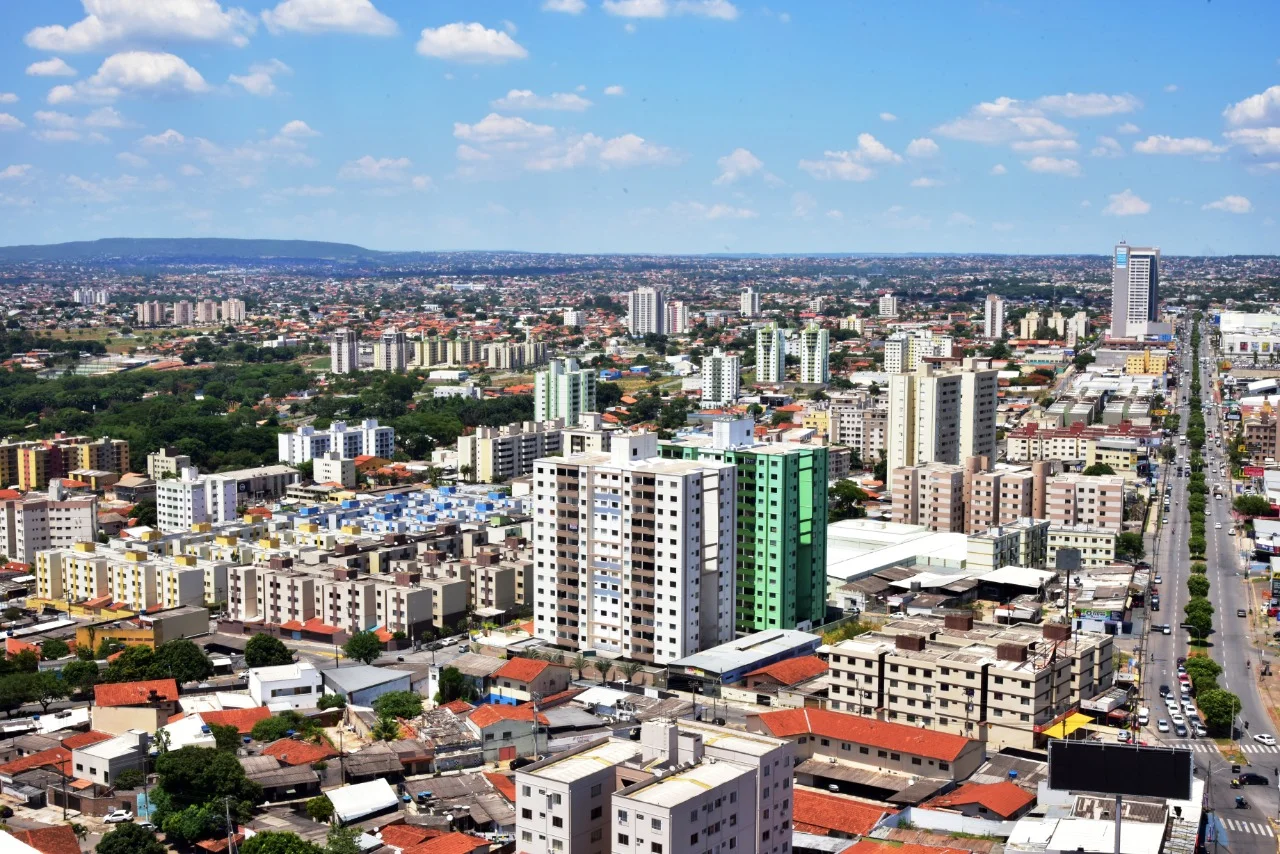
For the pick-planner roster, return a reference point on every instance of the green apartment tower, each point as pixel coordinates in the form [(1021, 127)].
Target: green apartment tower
[(781, 527)]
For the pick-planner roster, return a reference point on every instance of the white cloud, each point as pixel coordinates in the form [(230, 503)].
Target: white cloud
[(961, 219), (802, 205), (260, 80), (1053, 166), (297, 129), (469, 43), (54, 67), (923, 147), (568, 7), (851, 165), (1003, 120), (895, 216), (1107, 147), (169, 139), (1126, 203), (308, 191), (720, 9), (923, 182), (58, 135), (1093, 104), (697, 210), (1258, 141), (998, 169), (632, 150), (128, 158), (1172, 87), (1231, 204), (15, 171), (469, 154), (1044, 146), (390, 173), (114, 23), (8, 98), (105, 117), (524, 99), (740, 163), (510, 26), (1175, 145), (55, 119), (359, 17), (1263, 108), (615, 91), (494, 127), (8, 122), (834, 214), (133, 72), (888, 117), (1127, 127), (189, 171)]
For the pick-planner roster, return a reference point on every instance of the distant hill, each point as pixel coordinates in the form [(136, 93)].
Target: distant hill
[(187, 247)]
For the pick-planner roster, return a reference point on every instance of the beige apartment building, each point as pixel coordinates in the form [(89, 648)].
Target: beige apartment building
[(1001, 684), (72, 575), (49, 520), (968, 498), (39, 462), (497, 454), (860, 422), (942, 415), (1097, 546), (1093, 500)]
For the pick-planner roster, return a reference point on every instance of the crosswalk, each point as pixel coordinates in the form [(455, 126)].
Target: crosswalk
[(1254, 828), (1209, 747)]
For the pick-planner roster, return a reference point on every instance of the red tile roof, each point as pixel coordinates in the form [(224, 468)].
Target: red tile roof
[(489, 715), (291, 752), (84, 739), (793, 670), (1003, 798), (242, 719), (54, 757), (854, 728), (816, 812), (869, 846), (521, 669), (13, 646), (58, 839), (503, 784), (135, 693), (403, 835), (458, 707), (450, 843)]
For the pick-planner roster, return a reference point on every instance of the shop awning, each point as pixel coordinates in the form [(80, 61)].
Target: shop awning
[(1065, 727)]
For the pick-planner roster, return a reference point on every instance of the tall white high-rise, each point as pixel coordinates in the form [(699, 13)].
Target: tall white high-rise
[(391, 351), (815, 347), (942, 416), (677, 319), (182, 315), (604, 582), (771, 354), (192, 498), (233, 310), (1135, 291), (993, 318), (646, 312), (344, 352), (750, 303), (563, 390), (206, 311), (903, 351), (1077, 328), (888, 306), (149, 313), (720, 379)]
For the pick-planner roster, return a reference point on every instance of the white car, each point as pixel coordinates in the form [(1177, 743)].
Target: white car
[(1178, 719), (1217, 526), (117, 816), (1123, 736), (1162, 725), (1166, 629), (1263, 738)]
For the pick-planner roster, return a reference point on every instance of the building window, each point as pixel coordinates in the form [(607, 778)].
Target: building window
[(596, 812), (595, 790), (655, 847), (623, 839)]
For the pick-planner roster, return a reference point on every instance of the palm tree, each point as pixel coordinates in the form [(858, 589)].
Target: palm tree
[(579, 664), (602, 666), (630, 669)]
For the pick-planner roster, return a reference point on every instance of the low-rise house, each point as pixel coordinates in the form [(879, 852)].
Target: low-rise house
[(124, 706), (296, 686), (508, 731), (290, 751), (784, 674), (281, 782), (102, 762), (519, 679), (839, 816), (1004, 801), (361, 684)]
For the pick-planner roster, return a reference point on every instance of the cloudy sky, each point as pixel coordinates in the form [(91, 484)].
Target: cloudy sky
[(645, 125)]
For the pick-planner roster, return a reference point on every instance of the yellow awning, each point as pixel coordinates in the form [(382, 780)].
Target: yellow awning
[(1064, 728)]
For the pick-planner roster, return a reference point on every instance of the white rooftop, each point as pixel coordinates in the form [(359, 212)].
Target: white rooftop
[(362, 799), (603, 755), (283, 672), (675, 789)]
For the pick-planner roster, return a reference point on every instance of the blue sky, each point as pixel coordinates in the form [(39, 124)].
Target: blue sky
[(645, 125)]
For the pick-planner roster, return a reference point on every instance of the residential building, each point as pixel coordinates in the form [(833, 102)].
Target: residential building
[(574, 318), (366, 439), (860, 422), (391, 351), (781, 523), (815, 348), (1022, 543), (193, 498), (1077, 329), (297, 685), (1123, 446), (1096, 546), (612, 577), (73, 574), (564, 391), (182, 313), (1029, 326), (498, 454), (333, 467), (103, 761), (1093, 500), (233, 310), (91, 296), (344, 352), (905, 351), (969, 498), (646, 312), (1135, 291), (39, 462), (1146, 363), (771, 355), (523, 680), (361, 684), (721, 376), (953, 675), (942, 415), (206, 311), (166, 462), (749, 303), (123, 706), (993, 317), (676, 321), (50, 520), (149, 313), (888, 306)]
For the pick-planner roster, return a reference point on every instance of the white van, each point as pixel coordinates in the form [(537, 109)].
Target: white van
[(1144, 716)]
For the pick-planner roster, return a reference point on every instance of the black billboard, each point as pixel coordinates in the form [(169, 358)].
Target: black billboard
[(1120, 769)]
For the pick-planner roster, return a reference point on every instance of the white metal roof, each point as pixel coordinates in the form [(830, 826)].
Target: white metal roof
[(362, 799), (604, 755), (695, 782)]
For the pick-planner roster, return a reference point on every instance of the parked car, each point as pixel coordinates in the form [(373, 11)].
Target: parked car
[(146, 825), (1162, 725), (1263, 738), (117, 816), (1239, 612)]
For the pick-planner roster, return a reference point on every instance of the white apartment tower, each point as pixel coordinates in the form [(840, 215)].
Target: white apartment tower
[(367, 438), (750, 303), (634, 554), (993, 317), (721, 377), (206, 311), (182, 314), (344, 352), (888, 306), (646, 312), (192, 498), (1077, 328), (1135, 290), (677, 320), (233, 310), (391, 351), (564, 391), (942, 416), (771, 354), (52, 520), (815, 346)]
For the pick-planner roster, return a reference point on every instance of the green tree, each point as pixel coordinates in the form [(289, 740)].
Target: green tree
[(129, 778), (1199, 568), (846, 501), (320, 808), (25, 662), (342, 840), (144, 513), (1129, 546), (1219, 708), (363, 647), (129, 838), (1198, 585), (226, 736), (386, 729), (602, 666), (80, 675), (54, 648), (277, 727), (331, 701), (45, 688), (1199, 615), (454, 686), (278, 842), (1252, 505), (133, 665), (183, 660), (579, 664), (398, 704), (1099, 468), (263, 650), (629, 670)]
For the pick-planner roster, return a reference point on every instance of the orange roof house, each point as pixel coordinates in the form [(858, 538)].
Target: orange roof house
[(242, 719), (786, 673), (450, 843), (487, 716), (135, 693), (58, 839), (291, 752), (834, 815), (933, 748), (1002, 799)]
